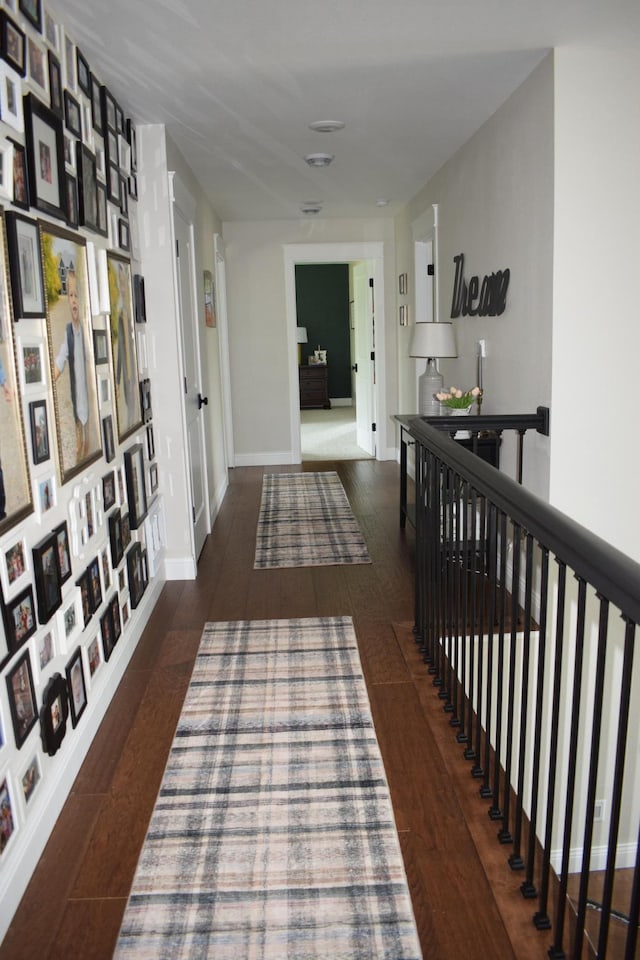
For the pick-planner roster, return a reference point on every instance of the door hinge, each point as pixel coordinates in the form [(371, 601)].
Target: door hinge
[(371, 281), (185, 385), (373, 428), (193, 511), (430, 270), (373, 355)]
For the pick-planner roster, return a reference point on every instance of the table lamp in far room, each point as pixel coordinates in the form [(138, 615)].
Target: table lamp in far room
[(431, 340), (301, 337)]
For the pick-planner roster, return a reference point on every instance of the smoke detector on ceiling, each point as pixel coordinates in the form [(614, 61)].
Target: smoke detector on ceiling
[(319, 159), (311, 207), (326, 126)]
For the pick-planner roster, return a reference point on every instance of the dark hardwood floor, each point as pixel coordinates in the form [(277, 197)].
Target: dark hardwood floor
[(465, 906)]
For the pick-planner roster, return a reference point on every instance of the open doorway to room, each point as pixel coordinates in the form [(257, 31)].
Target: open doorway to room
[(332, 302)]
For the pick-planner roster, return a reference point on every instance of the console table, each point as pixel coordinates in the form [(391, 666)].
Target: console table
[(487, 448), (314, 386)]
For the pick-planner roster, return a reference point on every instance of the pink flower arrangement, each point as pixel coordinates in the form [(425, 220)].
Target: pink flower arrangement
[(458, 399)]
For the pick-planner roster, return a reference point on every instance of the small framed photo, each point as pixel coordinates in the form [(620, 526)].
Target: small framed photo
[(153, 477), (39, 431), (109, 444), (46, 494), (30, 778), (104, 390), (83, 73), (145, 400), (7, 816), (130, 133), (33, 364), (37, 67), (87, 187), (114, 603), (55, 83), (47, 575), (103, 220), (70, 619), (68, 51), (108, 110), (76, 686), (94, 584), (25, 265), (45, 649), (51, 31), (85, 596), (109, 490), (13, 44), (106, 570), (136, 569), (32, 10), (20, 182), (106, 633), (11, 97), (134, 472), (94, 657), (72, 115), (151, 444), (73, 209), (6, 169), (64, 554), (20, 618), (139, 302), (115, 537), (123, 234), (22, 699), (100, 346), (15, 559), (54, 713), (96, 105), (45, 157)]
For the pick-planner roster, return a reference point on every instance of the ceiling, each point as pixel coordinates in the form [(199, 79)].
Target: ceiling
[(237, 83)]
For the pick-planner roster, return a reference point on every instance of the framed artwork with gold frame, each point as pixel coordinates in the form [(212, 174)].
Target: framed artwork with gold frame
[(123, 346)]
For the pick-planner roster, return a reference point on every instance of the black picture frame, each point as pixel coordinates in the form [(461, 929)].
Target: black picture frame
[(101, 203), (13, 44), (151, 443), (64, 554), (20, 621), (85, 596), (136, 574), (83, 72), (124, 241), (53, 714), (136, 493), (145, 400), (72, 115), (108, 110), (94, 584), (153, 477), (108, 490), (107, 633), (130, 133), (44, 140), (22, 698), (73, 203), (139, 299), (25, 266), (96, 105), (46, 571), (114, 603), (39, 422), (32, 10), (87, 187), (20, 175), (109, 443), (115, 537), (55, 84), (100, 347), (125, 526), (76, 686)]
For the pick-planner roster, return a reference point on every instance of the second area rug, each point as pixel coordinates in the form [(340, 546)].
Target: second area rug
[(273, 835), (306, 521)]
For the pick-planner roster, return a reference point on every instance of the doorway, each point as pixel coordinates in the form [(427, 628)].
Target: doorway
[(370, 362)]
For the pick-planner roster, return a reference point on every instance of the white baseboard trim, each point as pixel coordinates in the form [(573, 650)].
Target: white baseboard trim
[(180, 568), (389, 453), (625, 857), (25, 847), (216, 501), (264, 459)]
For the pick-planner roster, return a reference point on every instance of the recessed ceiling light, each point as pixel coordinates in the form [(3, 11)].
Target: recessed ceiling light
[(311, 207), (319, 159), (326, 126), (382, 203)]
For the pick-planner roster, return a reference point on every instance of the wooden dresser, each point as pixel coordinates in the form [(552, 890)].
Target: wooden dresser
[(314, 386)]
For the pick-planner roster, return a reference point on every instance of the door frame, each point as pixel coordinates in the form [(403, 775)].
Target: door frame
[(295, 253)]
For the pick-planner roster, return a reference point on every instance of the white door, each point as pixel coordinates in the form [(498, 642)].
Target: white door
[(363, 311), (195, 403)]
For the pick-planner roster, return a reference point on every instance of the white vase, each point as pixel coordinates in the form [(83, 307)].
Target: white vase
[(460, 412)]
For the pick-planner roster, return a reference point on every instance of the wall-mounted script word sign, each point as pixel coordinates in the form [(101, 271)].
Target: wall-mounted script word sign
[(474, 299)]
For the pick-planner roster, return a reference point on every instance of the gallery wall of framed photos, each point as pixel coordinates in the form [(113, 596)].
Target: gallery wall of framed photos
[(81, 518)]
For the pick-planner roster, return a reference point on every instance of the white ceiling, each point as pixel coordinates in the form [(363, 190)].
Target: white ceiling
[(237, 83)]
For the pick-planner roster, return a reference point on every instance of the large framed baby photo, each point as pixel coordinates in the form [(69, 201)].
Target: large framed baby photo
[(15, 489), (70, 337), (123, 346)]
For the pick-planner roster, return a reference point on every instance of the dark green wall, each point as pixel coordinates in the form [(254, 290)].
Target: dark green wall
[(322, 302)]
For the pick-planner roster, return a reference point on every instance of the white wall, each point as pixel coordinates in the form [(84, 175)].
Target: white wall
[(495, 205), (595, 459), (258, 341)]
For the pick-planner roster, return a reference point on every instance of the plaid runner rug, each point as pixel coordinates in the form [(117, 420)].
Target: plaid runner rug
[(306, 521), (273, 835)]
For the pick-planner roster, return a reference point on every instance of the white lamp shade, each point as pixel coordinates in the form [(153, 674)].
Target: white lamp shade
[(433, 340), (301, 335)]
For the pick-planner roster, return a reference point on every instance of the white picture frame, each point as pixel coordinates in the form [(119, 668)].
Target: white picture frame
[(11, 109), (6, 170)]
